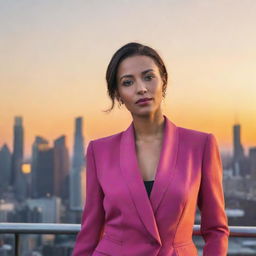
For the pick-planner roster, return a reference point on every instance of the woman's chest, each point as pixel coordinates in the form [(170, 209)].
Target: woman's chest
[(148, 155)]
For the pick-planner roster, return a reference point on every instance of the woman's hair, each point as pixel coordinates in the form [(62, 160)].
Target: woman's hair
[(128, 50)]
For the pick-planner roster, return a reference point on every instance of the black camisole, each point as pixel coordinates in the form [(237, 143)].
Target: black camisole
[(148, 185)]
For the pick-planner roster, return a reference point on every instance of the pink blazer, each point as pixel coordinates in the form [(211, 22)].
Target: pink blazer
[(119, 219)]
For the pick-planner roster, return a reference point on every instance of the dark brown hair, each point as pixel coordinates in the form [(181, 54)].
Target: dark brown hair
[(128, 50)]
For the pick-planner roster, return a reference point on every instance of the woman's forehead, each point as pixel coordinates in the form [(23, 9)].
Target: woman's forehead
[(136, 64)]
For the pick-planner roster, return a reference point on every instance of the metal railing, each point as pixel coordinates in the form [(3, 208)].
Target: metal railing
[(50, 228)]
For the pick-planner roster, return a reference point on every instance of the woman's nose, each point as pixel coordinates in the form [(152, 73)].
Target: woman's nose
[(141, 87)]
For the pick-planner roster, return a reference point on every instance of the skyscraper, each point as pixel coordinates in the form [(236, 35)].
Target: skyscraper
[(5, 167), (252, 161), (61, 168), (50, 168), (39, 144), (238, 150), (18, 180), (78, 166), (45, 172)]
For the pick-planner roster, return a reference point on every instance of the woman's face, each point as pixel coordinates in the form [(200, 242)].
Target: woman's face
[(138, 77)]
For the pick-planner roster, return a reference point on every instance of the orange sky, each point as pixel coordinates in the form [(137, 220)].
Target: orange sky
[(54, 58)]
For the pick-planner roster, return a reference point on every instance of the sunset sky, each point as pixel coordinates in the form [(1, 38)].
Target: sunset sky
[(54, 56)]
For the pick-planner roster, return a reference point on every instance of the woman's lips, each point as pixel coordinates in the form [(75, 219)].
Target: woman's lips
[(144, 102)]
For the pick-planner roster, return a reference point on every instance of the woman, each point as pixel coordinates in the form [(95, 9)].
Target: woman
[(143, 184)]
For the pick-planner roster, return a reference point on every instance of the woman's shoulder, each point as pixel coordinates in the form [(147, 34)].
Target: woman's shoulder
[(194, 135), (185, 132), (192, 132), (107, 140)]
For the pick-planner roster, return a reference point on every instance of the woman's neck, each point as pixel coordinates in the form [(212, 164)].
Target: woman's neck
[(149, 128)]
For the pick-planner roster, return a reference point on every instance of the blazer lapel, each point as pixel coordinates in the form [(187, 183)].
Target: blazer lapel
[(166, 165), (145, 206)]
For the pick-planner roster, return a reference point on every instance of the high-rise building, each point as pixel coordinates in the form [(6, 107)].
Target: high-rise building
[(39, 145), (78, 167), (238, 148), (5, 167), (61, 168), (45, 172), (50, 168), (238, 151), (252, 161), (18, 180)]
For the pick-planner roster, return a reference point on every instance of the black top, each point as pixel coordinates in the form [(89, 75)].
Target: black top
[(148, 185)]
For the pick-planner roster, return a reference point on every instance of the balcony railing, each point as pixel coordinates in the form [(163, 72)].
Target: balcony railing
[(49, 228)]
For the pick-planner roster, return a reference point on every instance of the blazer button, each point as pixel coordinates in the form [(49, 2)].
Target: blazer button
[(153, 242)]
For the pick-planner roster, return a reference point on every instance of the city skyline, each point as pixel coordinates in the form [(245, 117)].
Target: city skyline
[(54, 58), (85, 142)]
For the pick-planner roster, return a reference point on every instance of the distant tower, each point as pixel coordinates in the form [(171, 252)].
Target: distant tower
[(45, 172), (61, 168), (39, 144), (78, 165), (5, 167), (18, 180), (238, 150), (252, 161)]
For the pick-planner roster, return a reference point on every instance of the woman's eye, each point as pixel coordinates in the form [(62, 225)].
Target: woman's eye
[(127, 82), (149, 77)]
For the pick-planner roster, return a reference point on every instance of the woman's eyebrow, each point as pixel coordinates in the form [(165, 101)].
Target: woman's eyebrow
[(143, 72)]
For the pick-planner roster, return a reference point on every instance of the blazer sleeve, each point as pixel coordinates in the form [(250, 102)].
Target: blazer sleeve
[(214, 223), (93, 213)]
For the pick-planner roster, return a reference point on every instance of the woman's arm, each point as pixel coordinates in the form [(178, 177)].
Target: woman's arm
[(214, 223), (93, 214)]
